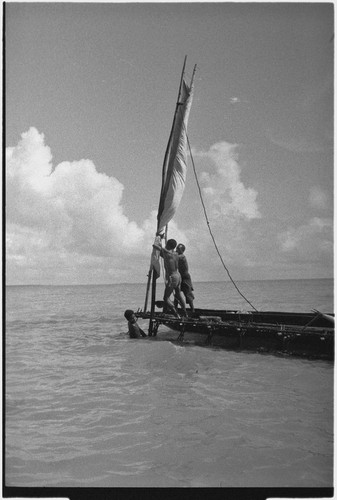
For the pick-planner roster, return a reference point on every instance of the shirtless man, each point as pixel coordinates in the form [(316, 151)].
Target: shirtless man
[(186, 280), (172, 276), (134, 330)]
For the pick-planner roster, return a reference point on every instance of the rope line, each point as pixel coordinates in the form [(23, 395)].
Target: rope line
[(209, 227)]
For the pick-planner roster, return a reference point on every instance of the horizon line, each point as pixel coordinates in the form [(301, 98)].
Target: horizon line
[(143, 283)]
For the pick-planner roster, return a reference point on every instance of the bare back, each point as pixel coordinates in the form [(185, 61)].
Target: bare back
[(170, 262)]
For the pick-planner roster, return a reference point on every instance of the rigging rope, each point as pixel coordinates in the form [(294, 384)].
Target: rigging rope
[(209, 227)]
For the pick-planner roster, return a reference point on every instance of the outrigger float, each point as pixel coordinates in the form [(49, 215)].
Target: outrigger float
[(300, 334)]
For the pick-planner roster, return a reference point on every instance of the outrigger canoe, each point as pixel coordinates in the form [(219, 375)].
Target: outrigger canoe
[(305, 334)]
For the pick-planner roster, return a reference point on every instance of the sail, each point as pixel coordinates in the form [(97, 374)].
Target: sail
[(174, 168)]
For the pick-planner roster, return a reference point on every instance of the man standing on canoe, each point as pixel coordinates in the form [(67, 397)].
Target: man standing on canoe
[(186, 280), (173, 278)]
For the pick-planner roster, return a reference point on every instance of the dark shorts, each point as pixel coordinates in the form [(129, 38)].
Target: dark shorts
[(187, 288)]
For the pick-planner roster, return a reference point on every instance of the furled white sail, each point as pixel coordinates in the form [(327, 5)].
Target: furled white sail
[(174, 168)]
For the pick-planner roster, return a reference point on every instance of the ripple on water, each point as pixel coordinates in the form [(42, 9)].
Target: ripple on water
[(87, 406)]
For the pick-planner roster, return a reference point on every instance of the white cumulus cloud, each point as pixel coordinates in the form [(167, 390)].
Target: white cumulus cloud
[(73, 205), (223, 188)]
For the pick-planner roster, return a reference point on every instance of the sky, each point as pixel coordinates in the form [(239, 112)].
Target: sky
[(90, 92)]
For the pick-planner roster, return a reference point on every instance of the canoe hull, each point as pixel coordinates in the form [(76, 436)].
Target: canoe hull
[(298, 334)]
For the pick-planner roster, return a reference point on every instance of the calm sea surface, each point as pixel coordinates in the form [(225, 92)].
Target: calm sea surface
[(87, 406)]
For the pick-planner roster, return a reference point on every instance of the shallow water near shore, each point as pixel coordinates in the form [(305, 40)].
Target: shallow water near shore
[(87, 406)]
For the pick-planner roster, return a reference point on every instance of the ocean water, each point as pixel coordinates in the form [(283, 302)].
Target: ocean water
[(86, 406)]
